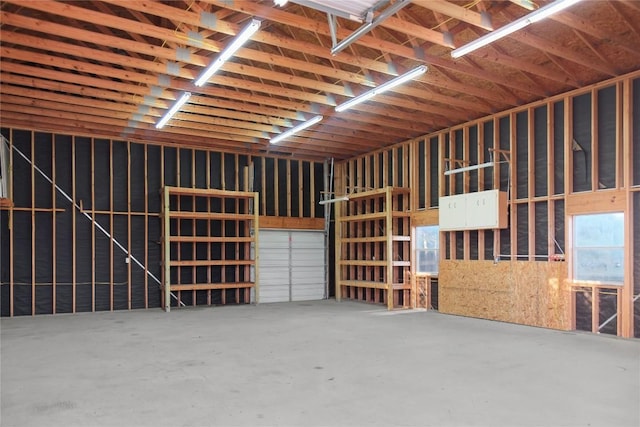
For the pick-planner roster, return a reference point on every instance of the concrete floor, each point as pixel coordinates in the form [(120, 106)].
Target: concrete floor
[(318, 363)]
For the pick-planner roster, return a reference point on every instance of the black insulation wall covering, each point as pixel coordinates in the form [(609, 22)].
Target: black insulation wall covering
[(607, 144), (282, 186), (558, 147), (459, 154), (488, 143), (42, 158), (137, 182), (295, 184), (200, 164), (582, 146), (269, 190), (541, 157), (318, 183), (523, 229), (473, 157), (306, 193), (170, 168), (216, 171), (434, 171), (230, 171), (120, 167), (542, 229), (186, 161), (522, 156)]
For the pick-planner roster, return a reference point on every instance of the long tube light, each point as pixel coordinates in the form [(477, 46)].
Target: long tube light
[(514, 26), (296, 129), (242, 37), (382, 88), (337, 199), (470, 168), (167, 116)]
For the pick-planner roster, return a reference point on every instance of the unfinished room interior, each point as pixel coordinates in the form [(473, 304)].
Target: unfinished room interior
[(320, 212)]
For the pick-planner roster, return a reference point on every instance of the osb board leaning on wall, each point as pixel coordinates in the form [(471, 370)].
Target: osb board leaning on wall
[(525, 292)]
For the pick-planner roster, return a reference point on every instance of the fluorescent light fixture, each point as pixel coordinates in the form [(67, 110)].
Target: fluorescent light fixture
[(242, 37), (514, 26), (167, 116), (470, 168), (280, 2), (296, 129), (337, 199), (382, 88)]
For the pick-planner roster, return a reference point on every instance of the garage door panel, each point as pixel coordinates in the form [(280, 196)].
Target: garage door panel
[(291, 255)]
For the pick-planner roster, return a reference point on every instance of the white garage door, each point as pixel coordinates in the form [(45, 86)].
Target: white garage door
[(292, 265)]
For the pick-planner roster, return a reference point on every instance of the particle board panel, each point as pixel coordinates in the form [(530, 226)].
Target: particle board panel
[(525, 292)]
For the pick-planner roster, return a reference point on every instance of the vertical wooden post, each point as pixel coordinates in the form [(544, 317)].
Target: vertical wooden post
[(481, 172), (389, 236), (166, 247), (111, 227), (625, 308), (11, 235), (256, 243), (146, 228), (33, 226), (129, 225), (531, 187), (568, 188), (551, 179), (73, 226), (53, 224), (513, 186)]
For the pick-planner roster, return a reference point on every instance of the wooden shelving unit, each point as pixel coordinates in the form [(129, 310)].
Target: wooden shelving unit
[(373, 244), (210, 245)]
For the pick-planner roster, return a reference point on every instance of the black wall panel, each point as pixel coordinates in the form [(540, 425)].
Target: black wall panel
[(318, 183), (120, 160), (282, 187), (488, 143), (540, 136), (200, 164), (434, 172), (42, 158), (558, 147), (582, 144), (295, 184), (137, 183), (607, 144), (522, 155), (473, 157), (102, 174), (422, 184)]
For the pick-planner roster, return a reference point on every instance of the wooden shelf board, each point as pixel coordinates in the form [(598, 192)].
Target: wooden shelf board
[(363, 239), (364, 284), (211, 215), (212, 239), (206, 263), (210, 193), (364, 262), (207, 286)]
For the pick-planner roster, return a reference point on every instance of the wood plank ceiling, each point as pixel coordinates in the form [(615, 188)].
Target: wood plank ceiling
[(112, 68)]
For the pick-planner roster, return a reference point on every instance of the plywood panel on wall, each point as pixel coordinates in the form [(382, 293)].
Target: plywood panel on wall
[(525, 292)]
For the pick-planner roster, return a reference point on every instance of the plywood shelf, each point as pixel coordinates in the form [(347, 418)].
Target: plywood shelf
[(222, 228), (212, 216), (210, 286), (205, 263)]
